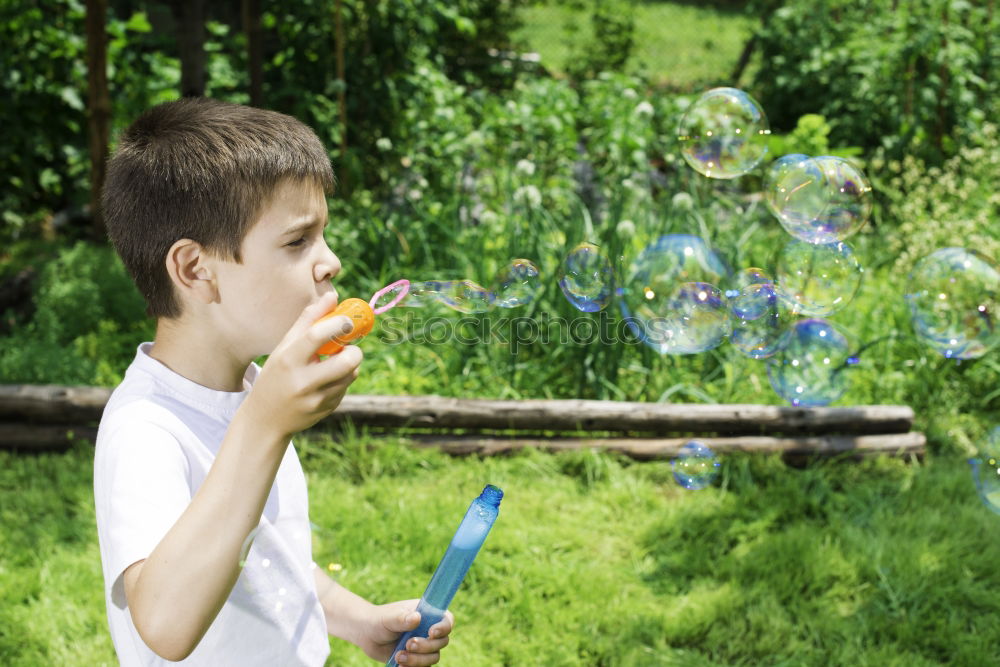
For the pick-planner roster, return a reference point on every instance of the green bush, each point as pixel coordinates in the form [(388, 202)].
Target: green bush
[(902, 76)]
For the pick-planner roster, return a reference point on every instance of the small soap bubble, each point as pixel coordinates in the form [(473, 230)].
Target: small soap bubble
[(954, 300), (809, 368), (695, 467), (759, 321), (723, 134), (671, 300), (587, 278), (517, 284), (817, 280), (986, 470), (745, 278)]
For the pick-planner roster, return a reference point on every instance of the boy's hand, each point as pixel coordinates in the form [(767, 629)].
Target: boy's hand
[(296, 389), (389, 621)]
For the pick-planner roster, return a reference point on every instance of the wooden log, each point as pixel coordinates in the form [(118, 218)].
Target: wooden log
[(42, 437), (586, 415), (647, 449), (58, 404)]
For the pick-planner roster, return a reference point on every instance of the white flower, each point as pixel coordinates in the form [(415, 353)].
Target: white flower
[(529, 195), (415, 195), (383, 143), (489, 218), (526, 167), (644, 108), (625, 228), (683, 201), (630, 93)]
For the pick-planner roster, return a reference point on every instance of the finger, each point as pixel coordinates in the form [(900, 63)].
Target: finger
[(424, 645), (400, 622), (313, 312), (338, 368), (410, 659), (443, 627)]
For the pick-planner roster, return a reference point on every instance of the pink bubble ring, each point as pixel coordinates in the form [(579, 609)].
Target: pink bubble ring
[(403, 287)]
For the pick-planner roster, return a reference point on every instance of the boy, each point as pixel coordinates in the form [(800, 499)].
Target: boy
[(217, 211)]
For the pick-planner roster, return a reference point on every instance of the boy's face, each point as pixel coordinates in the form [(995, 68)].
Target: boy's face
[(287, 265)]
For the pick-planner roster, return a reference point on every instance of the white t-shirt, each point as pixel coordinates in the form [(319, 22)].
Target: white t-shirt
[(157, 439)]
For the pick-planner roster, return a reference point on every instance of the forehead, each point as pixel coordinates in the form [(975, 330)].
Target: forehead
[(291, 203)]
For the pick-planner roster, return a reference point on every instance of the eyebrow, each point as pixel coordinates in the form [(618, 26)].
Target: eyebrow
[(304, 226)]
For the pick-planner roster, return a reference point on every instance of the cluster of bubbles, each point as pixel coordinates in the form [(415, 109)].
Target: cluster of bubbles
[(679, 296)]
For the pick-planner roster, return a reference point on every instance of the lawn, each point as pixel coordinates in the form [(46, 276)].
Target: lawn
[(677, 43), (595, 560)]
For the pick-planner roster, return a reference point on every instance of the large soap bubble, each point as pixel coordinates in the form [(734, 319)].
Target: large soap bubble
[(586, 278), (954, 299), (986, 470), (464, 296), (809, 369), (818, 200), (817, 280), (671, 300), (723, 134)]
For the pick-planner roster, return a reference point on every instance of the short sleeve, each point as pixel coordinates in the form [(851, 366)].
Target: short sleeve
[(147, 487)]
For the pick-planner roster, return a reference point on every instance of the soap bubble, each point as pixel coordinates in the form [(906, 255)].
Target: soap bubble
[(817, 279), (797, 192), (744, 278), (695, 467), (723, 134), (954, 298), (986, 470), (517, 284), (671, 301), (809, 369), (849, 202), (818, 200), (464, 296), (759, 321), (586, 278)]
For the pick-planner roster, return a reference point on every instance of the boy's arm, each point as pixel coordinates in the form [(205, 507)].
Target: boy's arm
[(176, 592), (376, 628)]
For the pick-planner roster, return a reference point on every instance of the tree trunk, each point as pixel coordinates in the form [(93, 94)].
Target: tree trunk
[(255, 50), (190, 15), (98, 106)]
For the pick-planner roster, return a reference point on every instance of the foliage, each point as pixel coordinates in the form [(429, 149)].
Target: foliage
[(87, 321), (902, 76), (954, 204)]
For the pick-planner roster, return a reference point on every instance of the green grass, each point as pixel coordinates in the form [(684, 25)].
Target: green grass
[(595, 560), (681, 44)]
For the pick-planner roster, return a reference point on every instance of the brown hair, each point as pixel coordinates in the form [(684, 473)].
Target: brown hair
[(200, 169)]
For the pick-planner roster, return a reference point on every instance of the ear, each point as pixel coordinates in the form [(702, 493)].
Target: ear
[(190, 269)]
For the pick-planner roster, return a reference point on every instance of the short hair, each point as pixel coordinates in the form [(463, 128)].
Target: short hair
[(201, 169)]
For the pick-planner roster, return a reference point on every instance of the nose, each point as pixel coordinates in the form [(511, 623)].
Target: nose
[(327, 267)]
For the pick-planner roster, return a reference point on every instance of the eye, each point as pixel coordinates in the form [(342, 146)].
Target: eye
[(297, 243)]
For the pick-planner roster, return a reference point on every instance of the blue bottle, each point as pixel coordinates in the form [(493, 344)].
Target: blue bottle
[(451, 570)]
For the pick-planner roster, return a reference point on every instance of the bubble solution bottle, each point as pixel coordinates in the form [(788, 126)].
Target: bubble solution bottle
[(451, 570)]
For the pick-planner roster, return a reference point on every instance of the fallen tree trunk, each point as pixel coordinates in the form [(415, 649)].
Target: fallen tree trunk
[(58, 404)]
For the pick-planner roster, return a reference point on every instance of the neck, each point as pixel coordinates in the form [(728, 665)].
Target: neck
[(198, 356)]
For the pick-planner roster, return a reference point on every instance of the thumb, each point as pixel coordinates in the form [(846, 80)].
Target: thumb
[(401, 621)]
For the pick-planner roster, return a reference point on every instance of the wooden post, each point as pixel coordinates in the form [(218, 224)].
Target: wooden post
[(255, 50), (98, 107), (341, 74), (190, 15)]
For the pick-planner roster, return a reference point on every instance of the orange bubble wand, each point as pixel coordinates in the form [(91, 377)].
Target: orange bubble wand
[(362, 315)]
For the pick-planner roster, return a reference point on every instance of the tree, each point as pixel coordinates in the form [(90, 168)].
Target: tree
[(98, 106)]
